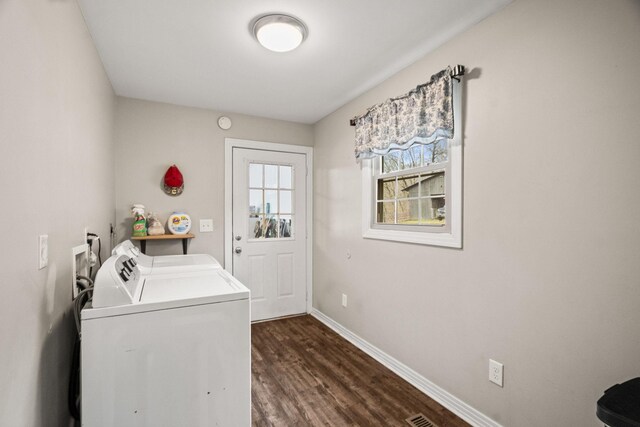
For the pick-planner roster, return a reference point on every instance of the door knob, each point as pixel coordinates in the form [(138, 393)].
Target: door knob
[(238, 250), (238, 238)]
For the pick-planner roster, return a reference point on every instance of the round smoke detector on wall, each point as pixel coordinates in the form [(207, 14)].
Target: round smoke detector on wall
[(224, 123)]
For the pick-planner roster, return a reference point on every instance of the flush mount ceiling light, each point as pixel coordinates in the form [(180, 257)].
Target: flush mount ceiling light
[(279, 33)]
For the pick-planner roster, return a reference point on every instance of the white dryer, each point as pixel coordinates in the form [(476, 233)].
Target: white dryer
[(165, 263), (166, 350)]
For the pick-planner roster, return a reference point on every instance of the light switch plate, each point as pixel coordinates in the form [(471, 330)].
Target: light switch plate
[(206, 225)]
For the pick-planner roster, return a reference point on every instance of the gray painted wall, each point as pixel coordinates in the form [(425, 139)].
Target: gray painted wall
[(56, 111), (547, 282), (151, 136)]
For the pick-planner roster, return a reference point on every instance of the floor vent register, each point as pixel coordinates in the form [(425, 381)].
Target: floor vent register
[(420, 420)]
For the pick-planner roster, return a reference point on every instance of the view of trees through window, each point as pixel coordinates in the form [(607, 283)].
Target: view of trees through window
[(411, 186)]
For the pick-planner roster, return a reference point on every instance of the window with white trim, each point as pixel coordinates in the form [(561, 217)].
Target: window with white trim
[(415, 195)]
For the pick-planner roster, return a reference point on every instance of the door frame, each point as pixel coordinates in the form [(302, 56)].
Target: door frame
[(229, 145)]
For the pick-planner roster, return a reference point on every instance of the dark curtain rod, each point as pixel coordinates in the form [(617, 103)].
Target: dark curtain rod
[(456, 73)]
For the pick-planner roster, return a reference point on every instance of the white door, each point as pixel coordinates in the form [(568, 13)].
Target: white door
[(269, 230)]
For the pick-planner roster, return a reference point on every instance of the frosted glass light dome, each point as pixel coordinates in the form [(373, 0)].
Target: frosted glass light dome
[(279, 33)]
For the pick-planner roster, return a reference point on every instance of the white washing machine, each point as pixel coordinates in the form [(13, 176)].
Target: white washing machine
[(165, 263), (166, 350)]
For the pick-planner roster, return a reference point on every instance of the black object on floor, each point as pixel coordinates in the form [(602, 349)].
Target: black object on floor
[(620, 405)]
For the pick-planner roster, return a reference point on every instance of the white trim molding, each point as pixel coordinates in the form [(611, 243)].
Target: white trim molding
[(446, 399), (229, 145)]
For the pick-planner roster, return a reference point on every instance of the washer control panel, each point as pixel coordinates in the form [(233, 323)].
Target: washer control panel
[(144, 262), (117, 282), (128, 273)]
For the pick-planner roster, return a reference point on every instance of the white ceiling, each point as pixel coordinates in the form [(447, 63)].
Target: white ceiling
[(201, 53)]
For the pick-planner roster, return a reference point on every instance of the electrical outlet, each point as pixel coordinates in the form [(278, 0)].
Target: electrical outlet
[(496, 372), (344, 300), (43, 251)]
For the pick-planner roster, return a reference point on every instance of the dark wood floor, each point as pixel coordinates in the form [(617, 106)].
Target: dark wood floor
[(304, 374)]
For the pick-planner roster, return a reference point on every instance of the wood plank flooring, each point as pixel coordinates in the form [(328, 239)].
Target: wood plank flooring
[(304, 374)]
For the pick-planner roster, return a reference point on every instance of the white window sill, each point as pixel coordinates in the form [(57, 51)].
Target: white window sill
[(434, 239)]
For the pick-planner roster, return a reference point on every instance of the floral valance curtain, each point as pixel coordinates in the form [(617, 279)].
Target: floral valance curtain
[(422, 116)]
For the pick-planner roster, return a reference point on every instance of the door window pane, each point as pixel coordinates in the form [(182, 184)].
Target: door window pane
[(270, 201), (271, 227), (255, 202), (286, 226), (263, 227), (255, 175), (255, 226), (285, 176), (270, 176), (285, 202)]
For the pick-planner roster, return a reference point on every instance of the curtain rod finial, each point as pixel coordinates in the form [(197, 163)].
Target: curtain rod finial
[(457, 71)]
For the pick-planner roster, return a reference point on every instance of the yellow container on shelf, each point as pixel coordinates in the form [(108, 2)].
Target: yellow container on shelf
[(179, 223)]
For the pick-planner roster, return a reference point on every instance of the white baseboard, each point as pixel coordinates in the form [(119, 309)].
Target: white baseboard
[(449, 401)]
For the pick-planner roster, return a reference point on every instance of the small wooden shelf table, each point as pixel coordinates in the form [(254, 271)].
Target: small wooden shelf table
[(185, 238)]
